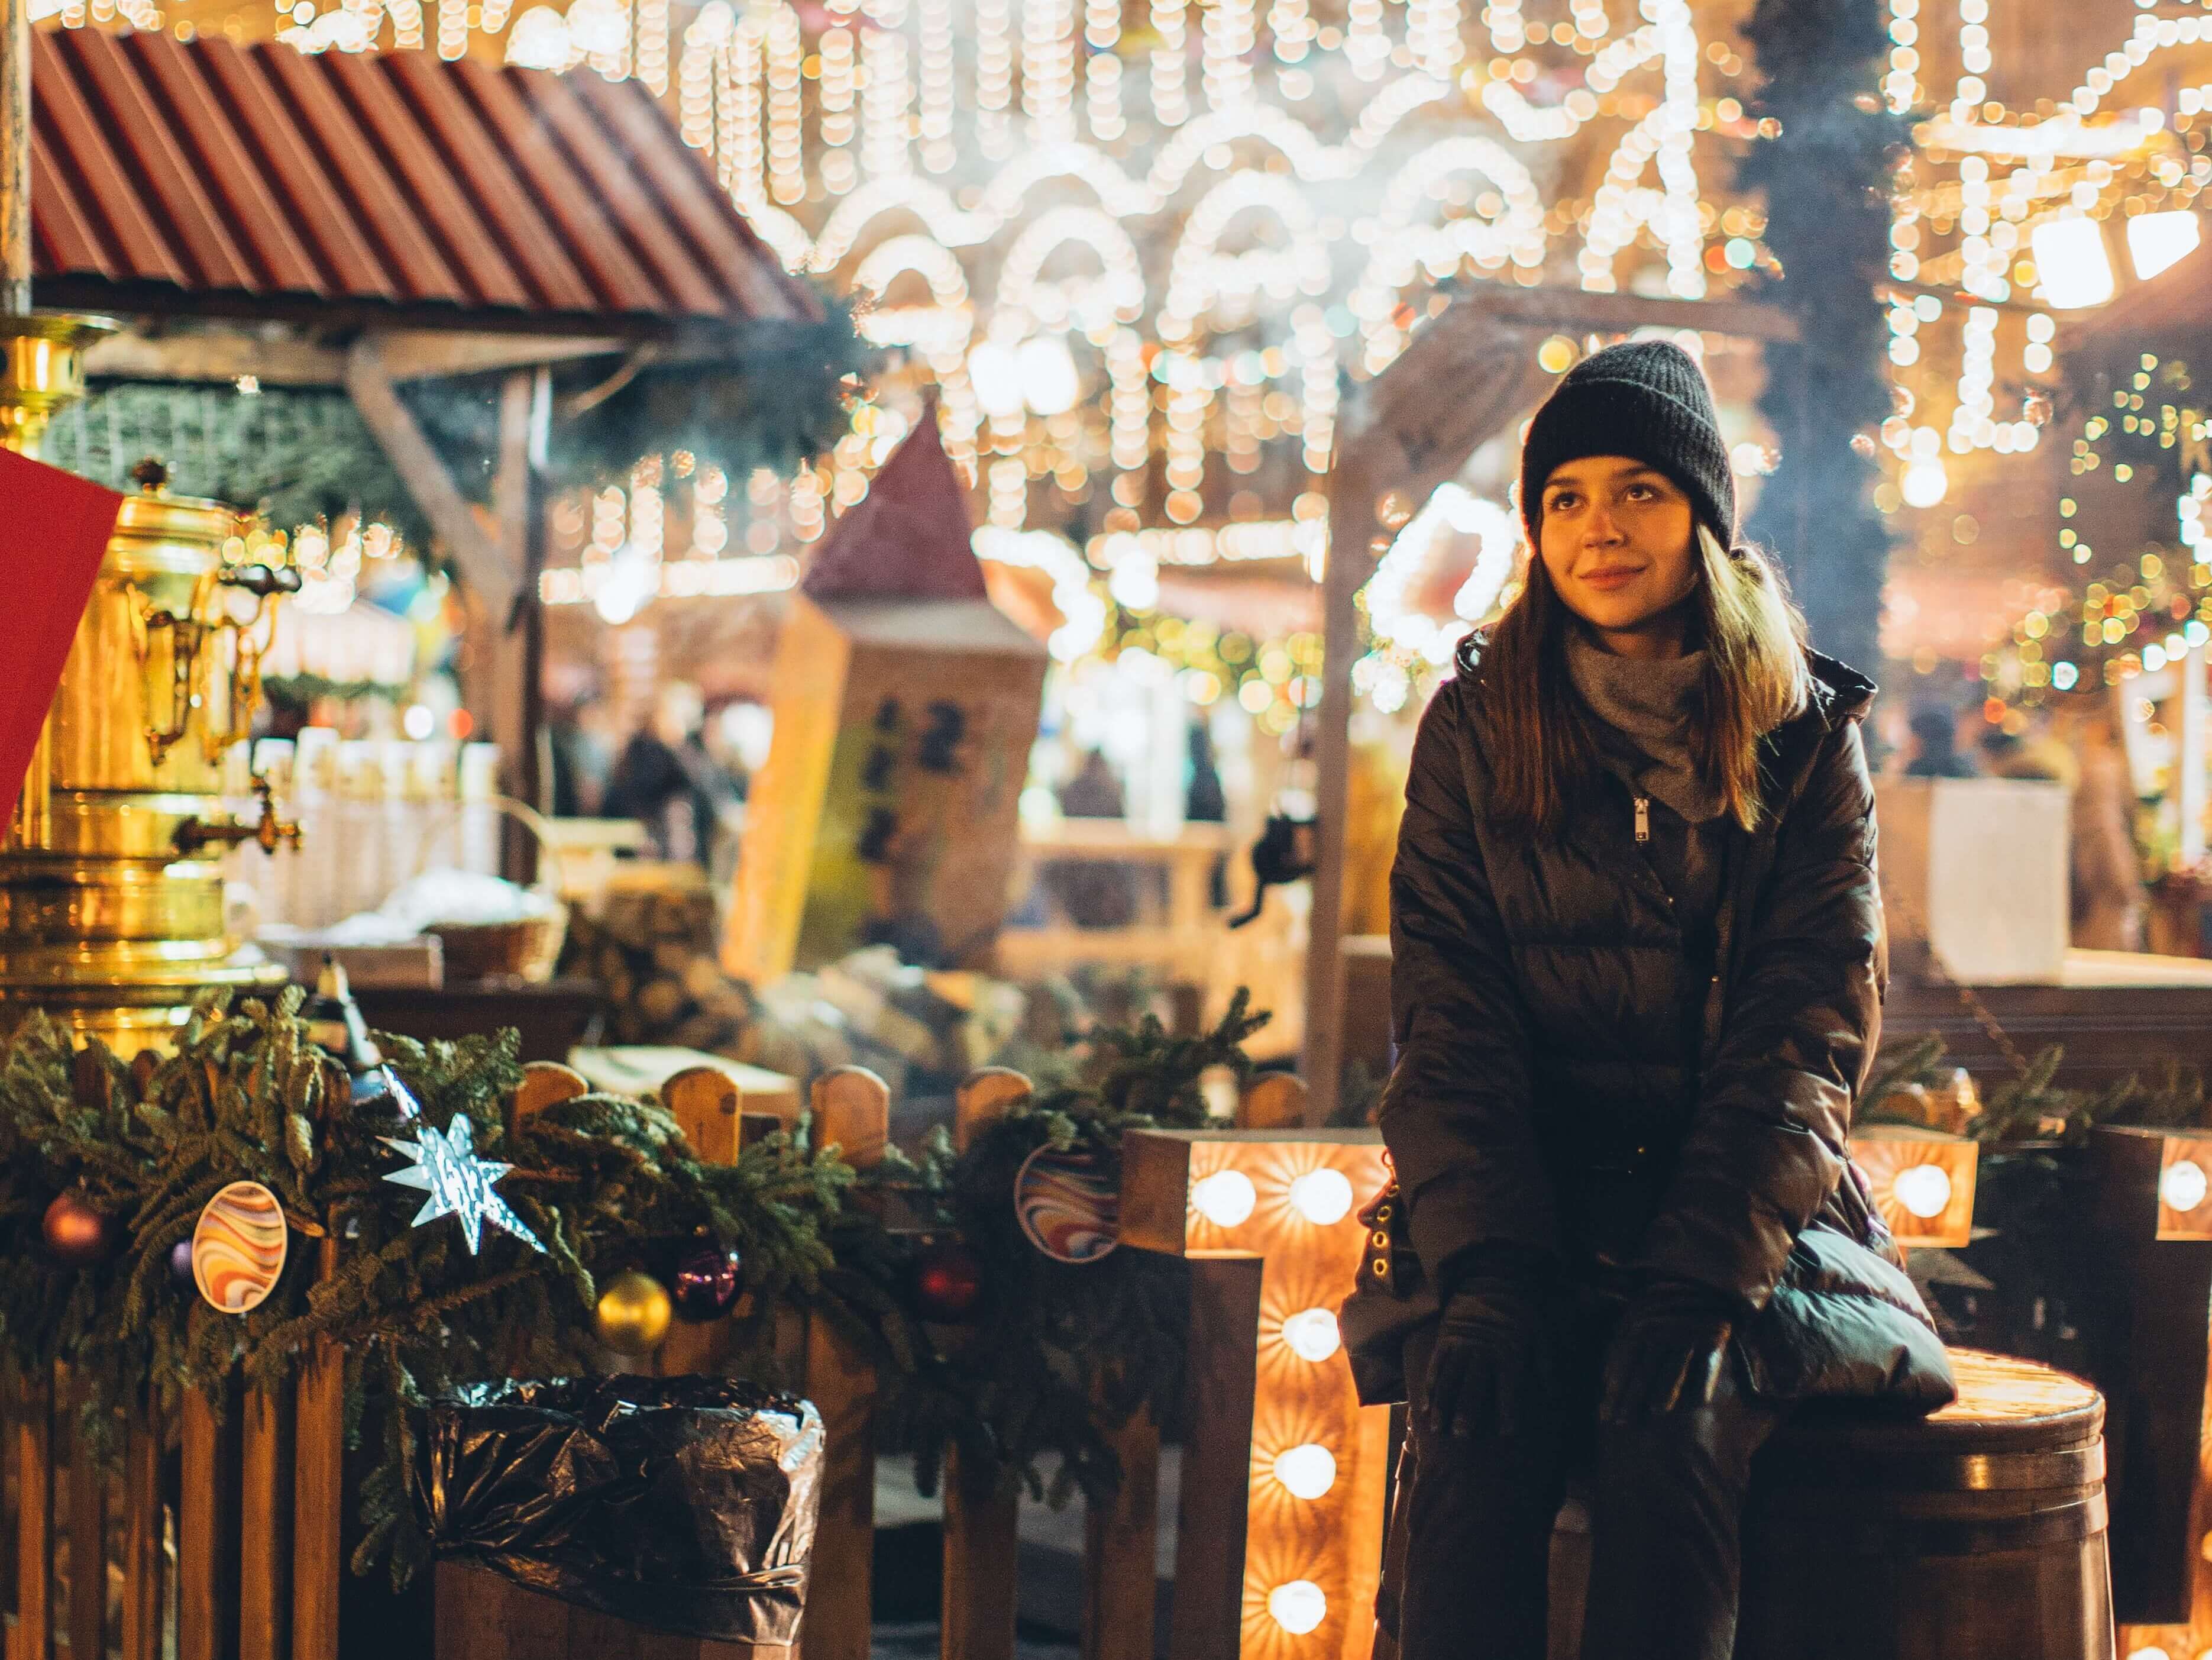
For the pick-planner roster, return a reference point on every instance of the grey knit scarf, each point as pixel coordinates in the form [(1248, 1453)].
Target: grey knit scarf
[(1650, 706)]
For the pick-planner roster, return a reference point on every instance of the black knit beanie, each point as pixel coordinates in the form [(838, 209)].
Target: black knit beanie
[(1646, 400)]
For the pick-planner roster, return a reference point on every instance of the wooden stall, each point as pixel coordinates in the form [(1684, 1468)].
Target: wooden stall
[(361, 222)]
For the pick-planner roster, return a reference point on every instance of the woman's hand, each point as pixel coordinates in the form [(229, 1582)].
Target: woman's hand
[(1493, 1361), (1667, 1352)]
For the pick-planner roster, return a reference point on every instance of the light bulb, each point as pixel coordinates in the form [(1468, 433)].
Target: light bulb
[(1924, 482), (2156, 241), (1312, 1335), (598, 26), (1301, 1605), (1924, 1191), (1050, 385), (2148, 1654), (1225, 1198), (1308, 1471), (996, 376), (540, 41), (1323, 1197), (2071, 260), (2182, 1185)]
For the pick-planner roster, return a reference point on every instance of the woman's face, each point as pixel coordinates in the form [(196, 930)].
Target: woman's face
[(1618, 541)]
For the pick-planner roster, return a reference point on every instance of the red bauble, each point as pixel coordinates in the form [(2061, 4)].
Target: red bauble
[(948, 1282), (75, 1234), (706, 1281)]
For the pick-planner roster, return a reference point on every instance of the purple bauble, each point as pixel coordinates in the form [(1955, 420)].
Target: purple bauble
[(709, 1278), (181, 1261)]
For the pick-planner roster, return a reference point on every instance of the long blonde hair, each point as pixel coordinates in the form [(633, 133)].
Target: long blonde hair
[(1756, 678)]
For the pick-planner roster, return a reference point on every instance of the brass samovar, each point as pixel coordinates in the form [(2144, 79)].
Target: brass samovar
[(112, 914)]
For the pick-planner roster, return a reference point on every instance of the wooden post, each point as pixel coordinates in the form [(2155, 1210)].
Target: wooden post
[(14, 158), (264, 1530), (143, 1567), (1207, 1612), (88, 1536), (981, 1521), (1275, 1102), (1121, 1550), (207, 1529), (1351, 562), (544, 1084), (708, 1108), (319, 1492), (33, 1634), (841, 1384), (981, 1536), (985, 1097), (852, 1112)]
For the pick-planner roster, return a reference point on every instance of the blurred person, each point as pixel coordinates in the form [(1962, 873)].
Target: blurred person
[(2109, 905), (668, 782), (1096, 893), (1936, 754)]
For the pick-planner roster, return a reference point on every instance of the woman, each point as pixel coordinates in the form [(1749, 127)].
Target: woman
[(1639, 964)]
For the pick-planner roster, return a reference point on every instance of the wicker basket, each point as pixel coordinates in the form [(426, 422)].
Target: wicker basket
[(526, 948)]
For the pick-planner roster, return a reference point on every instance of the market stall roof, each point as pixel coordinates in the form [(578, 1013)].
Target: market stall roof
[(395, 191)]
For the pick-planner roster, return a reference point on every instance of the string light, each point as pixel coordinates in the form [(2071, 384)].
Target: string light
[(994, 78), (937, 153), (1049, 68), (1228, 39), (1169, 60)]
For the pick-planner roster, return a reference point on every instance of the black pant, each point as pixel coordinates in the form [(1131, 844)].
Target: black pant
[(1470, 1544)]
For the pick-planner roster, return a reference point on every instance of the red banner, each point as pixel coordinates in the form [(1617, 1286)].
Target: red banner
[(54, 528)]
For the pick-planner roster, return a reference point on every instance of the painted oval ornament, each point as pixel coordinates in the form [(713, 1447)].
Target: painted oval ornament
[(1069, 1203), (240, 1247)]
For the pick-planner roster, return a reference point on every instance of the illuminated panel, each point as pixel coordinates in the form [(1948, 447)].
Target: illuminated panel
[(2185, 1171), (1923, 1182), (1313, 1483)]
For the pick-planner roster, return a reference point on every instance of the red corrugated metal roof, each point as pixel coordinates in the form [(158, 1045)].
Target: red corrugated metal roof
[(210, 178)]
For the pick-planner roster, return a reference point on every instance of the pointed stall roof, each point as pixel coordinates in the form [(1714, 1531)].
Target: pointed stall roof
[(910, 538)]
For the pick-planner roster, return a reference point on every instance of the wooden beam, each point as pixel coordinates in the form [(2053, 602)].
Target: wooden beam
[(1576, 311), (425, 354), (482, 562), (276, 356), (217, 357)]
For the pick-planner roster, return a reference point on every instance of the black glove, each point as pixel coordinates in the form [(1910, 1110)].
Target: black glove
[(1668, 1351), (1492, 1360)]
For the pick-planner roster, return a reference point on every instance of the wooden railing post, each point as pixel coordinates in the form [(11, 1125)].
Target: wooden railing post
[(981, 1514), (143, 1564), (265, 1526), (317, 1491), (852, 1112), (86, 1618), (32, 1637), (207, 1529), (1120, 1548)]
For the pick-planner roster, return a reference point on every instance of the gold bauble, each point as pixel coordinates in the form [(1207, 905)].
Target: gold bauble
[(633, 1313)]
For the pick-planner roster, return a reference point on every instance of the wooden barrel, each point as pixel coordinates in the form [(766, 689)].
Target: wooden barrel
[(1976, 1534)]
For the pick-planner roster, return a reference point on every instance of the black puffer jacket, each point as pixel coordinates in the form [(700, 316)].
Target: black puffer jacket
[(1550, 1094)]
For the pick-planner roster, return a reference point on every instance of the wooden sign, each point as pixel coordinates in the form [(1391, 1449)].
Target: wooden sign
[(905, 706)]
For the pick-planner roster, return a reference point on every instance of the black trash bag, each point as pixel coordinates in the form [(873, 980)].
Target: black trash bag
[(684, 1504)]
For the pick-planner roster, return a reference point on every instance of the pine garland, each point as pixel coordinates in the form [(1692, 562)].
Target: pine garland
[(606, 1183), (1061, 1356), (1061, 1353)]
